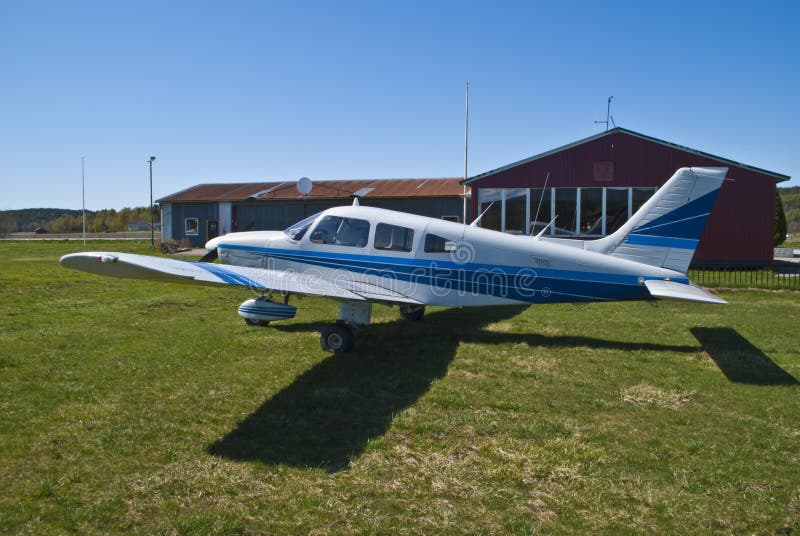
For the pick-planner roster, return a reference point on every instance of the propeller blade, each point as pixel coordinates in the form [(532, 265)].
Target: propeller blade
[(211, 256)]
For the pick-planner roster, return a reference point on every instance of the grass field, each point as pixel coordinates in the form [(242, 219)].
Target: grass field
[(150, 408)]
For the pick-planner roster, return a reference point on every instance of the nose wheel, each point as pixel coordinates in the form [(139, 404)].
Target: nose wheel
[(337, 338)]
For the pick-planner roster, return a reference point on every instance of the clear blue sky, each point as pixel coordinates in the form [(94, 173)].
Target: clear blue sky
[(249, 91)]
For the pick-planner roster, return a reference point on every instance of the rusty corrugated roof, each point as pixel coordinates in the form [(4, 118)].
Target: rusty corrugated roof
[(374, 188)]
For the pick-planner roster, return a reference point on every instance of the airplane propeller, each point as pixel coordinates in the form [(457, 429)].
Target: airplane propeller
[(211, 256)]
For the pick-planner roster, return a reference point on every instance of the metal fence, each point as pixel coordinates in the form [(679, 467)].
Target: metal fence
[(777, 278)]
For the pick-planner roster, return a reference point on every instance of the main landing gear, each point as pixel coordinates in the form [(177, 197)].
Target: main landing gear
[(340, 337), (412, 312), (337, 338)]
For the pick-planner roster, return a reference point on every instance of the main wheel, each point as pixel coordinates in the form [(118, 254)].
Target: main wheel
[(336, 338), (412, 312), (256, 323)]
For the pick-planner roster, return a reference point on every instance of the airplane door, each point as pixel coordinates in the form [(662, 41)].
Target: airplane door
[(442, 244)]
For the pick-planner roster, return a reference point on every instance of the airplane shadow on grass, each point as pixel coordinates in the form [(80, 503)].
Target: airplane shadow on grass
[(739, 359), (326, 417)]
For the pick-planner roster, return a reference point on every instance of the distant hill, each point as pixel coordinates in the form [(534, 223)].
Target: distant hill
[(64, 220), (28, 219), (790, 197)]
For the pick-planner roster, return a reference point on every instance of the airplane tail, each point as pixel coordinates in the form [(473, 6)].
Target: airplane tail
[(666, 230)]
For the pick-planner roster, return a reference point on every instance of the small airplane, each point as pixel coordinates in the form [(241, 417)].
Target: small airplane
[(361, 255)]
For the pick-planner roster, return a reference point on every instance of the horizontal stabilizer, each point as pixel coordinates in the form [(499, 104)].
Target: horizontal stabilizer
[(680, 291)]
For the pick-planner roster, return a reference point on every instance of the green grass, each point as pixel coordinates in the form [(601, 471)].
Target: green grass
[(149, 408)]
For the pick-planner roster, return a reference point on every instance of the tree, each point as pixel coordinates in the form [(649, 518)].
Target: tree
[(7, 224), (780, 220)]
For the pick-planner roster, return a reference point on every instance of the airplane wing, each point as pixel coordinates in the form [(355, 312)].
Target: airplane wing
[(680, 291), (128, 265)]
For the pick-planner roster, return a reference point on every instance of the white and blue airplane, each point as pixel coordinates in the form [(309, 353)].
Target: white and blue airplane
[(362, 255)]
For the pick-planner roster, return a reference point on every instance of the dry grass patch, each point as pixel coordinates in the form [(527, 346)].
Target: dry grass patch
[(644, 395)]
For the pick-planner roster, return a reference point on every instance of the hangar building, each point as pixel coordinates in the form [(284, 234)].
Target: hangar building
[(204, 211), (591, 187)]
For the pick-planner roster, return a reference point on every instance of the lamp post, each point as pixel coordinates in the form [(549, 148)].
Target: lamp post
[(152, 219)]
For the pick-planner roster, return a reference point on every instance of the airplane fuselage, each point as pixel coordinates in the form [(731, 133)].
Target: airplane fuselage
[(436, 262)]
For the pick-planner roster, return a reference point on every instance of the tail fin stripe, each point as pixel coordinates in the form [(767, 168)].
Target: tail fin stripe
[(661, 241), (697, 208), (660, 225)]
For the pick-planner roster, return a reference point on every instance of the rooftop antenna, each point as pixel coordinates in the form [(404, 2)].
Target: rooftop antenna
[(609, 118)]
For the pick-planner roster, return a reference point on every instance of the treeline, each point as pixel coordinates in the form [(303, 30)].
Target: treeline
[(791, 207), (56, 220)]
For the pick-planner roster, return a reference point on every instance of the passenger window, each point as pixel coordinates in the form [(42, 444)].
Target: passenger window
[(338, 231), (437, 244), (393, 237)]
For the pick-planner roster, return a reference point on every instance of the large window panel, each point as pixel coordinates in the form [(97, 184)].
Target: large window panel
[(393, 237), (490, 197), (336, 231), (591, 215), (616, 208), (566, 211), (516, 204), (540, 201), (640, 197)]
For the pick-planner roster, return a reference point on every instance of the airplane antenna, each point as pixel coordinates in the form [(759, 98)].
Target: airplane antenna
[(541, 197), (608, 116), (477, 220), (546, 227)]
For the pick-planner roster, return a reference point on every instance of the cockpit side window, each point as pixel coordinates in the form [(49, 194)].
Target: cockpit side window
[(338, 231), (438, 244), (298, 230), (393, 237)]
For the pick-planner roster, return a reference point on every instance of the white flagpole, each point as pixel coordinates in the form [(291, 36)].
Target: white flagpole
[(83, 197), (466, 146)]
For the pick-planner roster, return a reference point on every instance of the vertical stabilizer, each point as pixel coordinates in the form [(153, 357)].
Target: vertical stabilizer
[(666, 230)]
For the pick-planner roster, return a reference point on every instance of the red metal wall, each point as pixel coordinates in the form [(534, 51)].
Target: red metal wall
[(739, 230)]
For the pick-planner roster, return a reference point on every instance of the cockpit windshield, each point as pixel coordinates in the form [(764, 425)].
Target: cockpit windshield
[(298, 230)]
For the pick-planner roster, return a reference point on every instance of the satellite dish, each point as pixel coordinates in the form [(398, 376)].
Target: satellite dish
[(304, 185)]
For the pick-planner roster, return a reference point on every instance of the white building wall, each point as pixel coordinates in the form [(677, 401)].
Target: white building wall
[(166, 221)]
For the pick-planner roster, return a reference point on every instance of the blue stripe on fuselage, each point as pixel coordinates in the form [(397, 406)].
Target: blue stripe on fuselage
[(513, 282)]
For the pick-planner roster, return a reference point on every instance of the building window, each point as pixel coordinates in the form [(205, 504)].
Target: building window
[(491, 199), (616, 208), (566, 204), (540, 209), (515, 203), (191, 226), (337, 231), (393, 237), (591, 214), (603, 171)]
